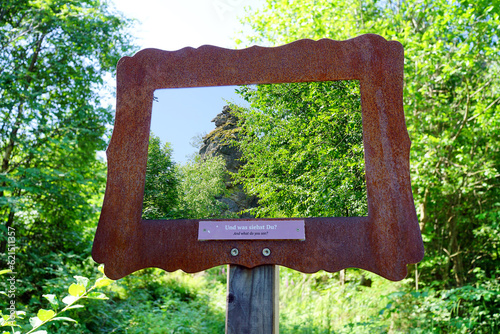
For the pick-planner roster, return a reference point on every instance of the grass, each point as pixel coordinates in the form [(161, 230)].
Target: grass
[(320, 303), (157, 302), (154, 301)]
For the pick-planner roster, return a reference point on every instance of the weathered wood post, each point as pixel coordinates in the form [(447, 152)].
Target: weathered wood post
[(252, 300)]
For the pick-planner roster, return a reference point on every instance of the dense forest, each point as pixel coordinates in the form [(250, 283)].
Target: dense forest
[(55, 56)]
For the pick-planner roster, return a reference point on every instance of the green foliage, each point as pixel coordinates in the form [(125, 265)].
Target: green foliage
[(451, 101), (323, 303), (320, 303), (54, 56), (453, 118), (461, 310), (161, 192), (188, 191), (451, 106), (284, 21), (202, 182), (153, 301), (77, 292), (303, 150)]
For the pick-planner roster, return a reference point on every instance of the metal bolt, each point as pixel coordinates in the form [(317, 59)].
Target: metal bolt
[(234, 251), (266, 252)]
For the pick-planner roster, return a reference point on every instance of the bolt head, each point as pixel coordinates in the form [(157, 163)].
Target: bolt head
[(266, 252), (235, 251)]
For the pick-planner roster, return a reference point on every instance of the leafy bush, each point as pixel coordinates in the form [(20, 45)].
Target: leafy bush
[(461, 310), (77, 291), (154, 301)]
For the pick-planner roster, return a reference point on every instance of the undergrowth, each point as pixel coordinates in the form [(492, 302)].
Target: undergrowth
[(154, 301)]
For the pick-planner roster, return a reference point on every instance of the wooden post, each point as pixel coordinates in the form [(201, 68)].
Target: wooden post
[(253, 300)]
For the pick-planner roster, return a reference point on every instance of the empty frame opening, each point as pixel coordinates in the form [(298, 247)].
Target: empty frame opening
[(265, 151)]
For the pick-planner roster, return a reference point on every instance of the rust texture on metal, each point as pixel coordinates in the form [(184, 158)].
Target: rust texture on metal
[(384, 242)]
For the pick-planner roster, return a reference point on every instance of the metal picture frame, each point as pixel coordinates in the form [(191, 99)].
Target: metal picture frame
[(384, 242)]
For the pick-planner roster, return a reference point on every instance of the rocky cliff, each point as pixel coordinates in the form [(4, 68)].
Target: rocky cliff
[(219, 142)]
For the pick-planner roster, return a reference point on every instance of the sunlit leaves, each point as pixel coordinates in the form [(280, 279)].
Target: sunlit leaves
[(83, 281), (161, 191), (45, 315), (35, 322), (52, 299), (451, 102), (76, 290), (102, 282), (53, 57), (302, 144), (202, 182), (97, 295)]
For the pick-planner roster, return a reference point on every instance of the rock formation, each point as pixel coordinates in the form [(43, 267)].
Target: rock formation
[(219, 142)]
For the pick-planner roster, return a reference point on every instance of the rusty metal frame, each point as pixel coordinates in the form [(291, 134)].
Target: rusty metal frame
[(384, 242)]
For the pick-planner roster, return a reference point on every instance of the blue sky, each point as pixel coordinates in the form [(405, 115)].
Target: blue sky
[(181, 114)]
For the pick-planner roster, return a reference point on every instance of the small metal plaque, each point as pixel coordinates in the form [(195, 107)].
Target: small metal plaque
[(252, 230)]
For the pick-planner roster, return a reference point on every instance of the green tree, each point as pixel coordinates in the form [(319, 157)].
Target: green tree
[(303, 150), (202, 185), (161, 191), (451, 102), (54, 57), (188, 191)]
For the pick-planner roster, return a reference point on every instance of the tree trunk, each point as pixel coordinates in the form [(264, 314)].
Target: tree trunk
[(455, 255)]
